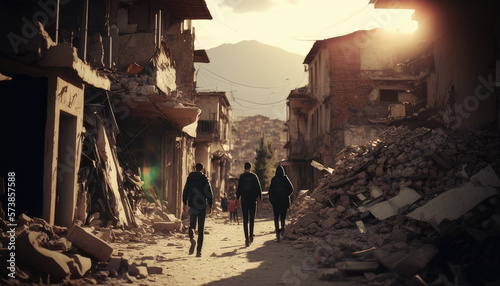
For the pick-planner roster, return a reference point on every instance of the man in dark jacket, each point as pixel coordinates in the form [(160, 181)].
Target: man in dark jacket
[(198, 196), (280, 191), (249, 191)]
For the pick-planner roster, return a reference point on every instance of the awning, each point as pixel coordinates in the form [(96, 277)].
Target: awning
[(200, 56), (185, 118), (188, 9)]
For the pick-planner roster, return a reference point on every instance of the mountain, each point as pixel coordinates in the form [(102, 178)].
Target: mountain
[(257, 78)]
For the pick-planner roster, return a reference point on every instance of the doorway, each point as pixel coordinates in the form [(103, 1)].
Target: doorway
[(66, 170)]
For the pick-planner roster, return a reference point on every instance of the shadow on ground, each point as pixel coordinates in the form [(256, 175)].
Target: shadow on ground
[(280, 263)]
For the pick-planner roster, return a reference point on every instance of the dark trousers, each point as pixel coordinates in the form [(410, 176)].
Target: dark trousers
[(197, 215), (279, 215), (234, 216), (248, 210)]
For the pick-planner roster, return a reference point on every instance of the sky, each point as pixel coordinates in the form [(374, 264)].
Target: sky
[(293, 25)]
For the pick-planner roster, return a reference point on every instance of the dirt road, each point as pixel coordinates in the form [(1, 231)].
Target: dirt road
[(225, 259)]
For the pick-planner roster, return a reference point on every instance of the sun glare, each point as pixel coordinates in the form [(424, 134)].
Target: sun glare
[(401, 21)]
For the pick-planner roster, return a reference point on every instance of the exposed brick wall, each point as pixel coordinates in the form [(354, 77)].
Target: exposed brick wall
[(348, 88)]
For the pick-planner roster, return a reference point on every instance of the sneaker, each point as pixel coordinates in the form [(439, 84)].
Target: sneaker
[(251, 238), (247, 243), (198, 254), (193, 244)]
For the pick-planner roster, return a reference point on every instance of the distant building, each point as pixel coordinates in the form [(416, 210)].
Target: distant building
[(213, 142), (247, 132)]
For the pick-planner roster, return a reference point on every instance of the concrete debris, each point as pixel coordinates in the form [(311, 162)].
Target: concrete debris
[(85, 251), (320, 167), (80, 266), (167, 225), (88, 242), (47, 261), (406, 263), (393, 206), (456, 202), (350, 267), (407, 198)]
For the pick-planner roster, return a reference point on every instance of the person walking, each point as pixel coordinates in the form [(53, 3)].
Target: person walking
[(197, 194), (233, 206), (249, 191), (280, 191)]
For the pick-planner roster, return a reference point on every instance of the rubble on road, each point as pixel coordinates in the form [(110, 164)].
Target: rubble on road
[(54, 254), (422, 203)]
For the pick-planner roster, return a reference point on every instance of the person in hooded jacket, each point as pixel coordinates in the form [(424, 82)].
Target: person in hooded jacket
[(280, 191), (197, 194)]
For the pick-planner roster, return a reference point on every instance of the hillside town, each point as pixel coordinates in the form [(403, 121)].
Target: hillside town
[(392, 150)]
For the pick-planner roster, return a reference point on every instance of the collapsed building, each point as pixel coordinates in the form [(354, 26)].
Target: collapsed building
[(394, 143), (101, 100), (360, 82), (414, 202)]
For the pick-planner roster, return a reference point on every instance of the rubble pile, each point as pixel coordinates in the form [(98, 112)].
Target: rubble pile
[(405, 201), (141, 84), (52, 253)]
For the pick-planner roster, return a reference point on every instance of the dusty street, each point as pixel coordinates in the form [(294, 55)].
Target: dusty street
[(225, 259)]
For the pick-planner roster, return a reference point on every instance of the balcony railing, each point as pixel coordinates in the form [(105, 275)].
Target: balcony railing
[(208, 128), (304, 149)]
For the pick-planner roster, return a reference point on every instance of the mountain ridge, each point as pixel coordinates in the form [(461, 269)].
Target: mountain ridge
[(256, 77)]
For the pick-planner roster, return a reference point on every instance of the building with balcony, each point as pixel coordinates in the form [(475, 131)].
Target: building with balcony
[(213, 142), (357, 84), (109, 85)]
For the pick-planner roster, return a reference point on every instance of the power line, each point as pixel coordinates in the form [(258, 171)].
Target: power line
[(242, 84), (267, 103)]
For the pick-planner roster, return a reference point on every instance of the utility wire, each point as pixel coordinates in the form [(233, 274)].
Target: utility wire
[(242, 84), (263, 103)]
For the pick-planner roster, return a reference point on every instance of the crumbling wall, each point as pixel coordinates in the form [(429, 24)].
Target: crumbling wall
[(369, 207)]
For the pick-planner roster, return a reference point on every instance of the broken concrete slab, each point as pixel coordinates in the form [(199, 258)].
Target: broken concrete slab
[(114, 264), (155, 270), (404, 264), (28, 250), (138, 271), (375, 191), (361, 226), (80, 266), (486, 177), (357, 266), (167, 225), (391, 207), (90, 243), (456, 202)]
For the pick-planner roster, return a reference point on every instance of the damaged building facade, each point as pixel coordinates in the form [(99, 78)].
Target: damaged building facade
[(355, 83), (362, 82), (213, 141), (405, 158), (108, 90)]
